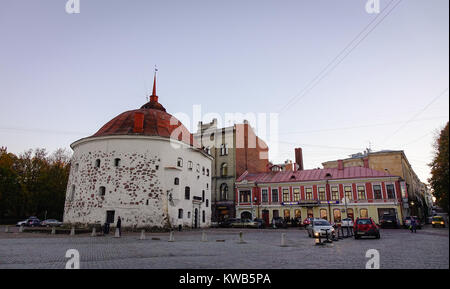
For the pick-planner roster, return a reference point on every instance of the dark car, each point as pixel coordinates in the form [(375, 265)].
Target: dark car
[(389, 221), (279, 223), (261, 223), (27, 221), (33, 223), (366, 227)]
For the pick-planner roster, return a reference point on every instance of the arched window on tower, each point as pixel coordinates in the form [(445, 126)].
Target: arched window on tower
[(224, 170), (223, 192)]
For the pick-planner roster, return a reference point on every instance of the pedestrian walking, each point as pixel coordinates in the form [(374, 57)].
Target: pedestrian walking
[(413, 226), (119, 225)]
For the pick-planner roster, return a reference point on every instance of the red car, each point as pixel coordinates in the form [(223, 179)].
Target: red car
[(365, 227), (307, 221)]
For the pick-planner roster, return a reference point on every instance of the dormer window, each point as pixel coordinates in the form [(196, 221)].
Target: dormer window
[(180, 162), (97, 163), (189, 165), (116, 162)]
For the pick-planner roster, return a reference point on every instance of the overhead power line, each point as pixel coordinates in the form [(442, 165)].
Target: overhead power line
[(416, 115), (324, 72)]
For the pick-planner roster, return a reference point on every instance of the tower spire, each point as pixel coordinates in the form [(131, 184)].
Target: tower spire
[(154, 97)]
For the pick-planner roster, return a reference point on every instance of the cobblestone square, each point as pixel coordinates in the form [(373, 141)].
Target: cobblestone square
[(427, 249)]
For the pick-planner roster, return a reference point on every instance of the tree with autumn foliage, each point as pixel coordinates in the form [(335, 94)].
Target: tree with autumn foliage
[(33, 184), (439, 180)]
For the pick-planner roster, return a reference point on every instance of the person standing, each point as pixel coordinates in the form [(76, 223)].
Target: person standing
[(119, 225)]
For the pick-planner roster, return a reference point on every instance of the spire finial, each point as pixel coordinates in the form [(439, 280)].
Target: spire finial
[(154, 97)]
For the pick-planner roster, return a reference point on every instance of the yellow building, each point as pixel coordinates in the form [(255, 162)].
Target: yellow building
[(395, 163)]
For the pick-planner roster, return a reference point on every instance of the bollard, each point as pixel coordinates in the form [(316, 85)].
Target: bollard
[(117, 233), (348, 233), (241, 238), (21, 229), (351, 232), (53, 231), (142, 237), (171, 237), (6, 229), (204, 237), (72, 231), (283, 240), (94, 233)]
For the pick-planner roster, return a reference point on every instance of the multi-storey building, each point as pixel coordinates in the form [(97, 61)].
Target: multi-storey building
[(332, 194), (235, 149), (395, 163)]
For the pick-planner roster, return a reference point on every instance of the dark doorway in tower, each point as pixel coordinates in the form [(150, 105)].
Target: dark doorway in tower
[(110, 217), (246, 215), (265, 216), (196, 218)]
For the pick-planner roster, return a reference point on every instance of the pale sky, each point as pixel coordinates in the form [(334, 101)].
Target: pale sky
[(62, 76)]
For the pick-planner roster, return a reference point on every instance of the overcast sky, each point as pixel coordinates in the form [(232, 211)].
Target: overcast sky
[(340, 78)]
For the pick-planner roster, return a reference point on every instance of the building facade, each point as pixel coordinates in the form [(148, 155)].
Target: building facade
[(234, 149), (331, 194), (395, 163), (143, 166)]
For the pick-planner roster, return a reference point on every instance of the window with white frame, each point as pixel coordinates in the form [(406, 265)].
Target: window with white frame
[(334, 193), (264, 195), (286, 197), (296, 192), (361, 193), (377, 194), (322, 194), (309, 193), (274, 195), (390, 191), (348, 192)]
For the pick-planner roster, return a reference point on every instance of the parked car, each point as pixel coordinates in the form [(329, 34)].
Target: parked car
[(51, 223), (26, 222), (261, 223), (320, 227), (347, 222), (226, 223), (307, 221), (279, 222), (407, 222), (387, 221), (366, 227), (244, 223), (438, 221)]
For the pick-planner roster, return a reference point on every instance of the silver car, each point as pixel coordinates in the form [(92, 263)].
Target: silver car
[(320, 227), (51, 223)]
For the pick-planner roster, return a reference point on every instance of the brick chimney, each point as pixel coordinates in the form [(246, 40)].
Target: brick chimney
[(138, 122), (340, 165), (299, 158), (366, 163)]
